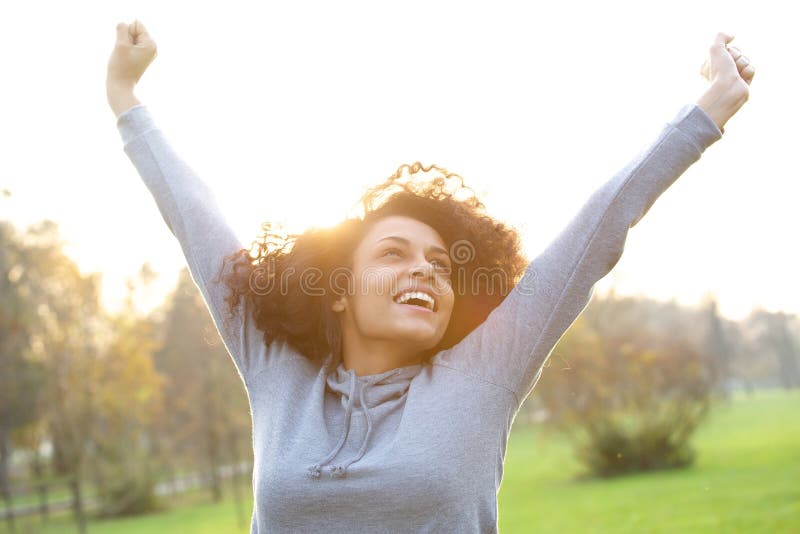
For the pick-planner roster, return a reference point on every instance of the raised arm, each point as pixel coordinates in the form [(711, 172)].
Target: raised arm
[(511, 346), (186, 203)]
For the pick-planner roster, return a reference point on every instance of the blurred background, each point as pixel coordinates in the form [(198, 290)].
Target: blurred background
[(670, 403)]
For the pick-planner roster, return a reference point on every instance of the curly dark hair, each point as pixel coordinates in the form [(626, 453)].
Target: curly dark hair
[(300, 313)]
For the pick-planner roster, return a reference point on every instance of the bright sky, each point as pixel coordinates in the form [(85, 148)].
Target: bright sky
[(289, 110)]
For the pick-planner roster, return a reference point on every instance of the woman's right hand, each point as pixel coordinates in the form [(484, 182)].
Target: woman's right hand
[(730, 74), (133, 52)]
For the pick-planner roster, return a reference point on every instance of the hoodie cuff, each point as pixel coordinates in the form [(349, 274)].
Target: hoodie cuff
[(133, 122), (696, 124)]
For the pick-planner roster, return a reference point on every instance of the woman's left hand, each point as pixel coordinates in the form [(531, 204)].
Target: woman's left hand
[(730, 74)]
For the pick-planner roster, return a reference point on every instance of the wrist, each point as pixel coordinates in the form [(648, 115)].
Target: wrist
[(120, 96), (722, 100), (118, 85)]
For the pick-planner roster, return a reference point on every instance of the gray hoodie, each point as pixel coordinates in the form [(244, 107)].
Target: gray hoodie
[(418, 448)]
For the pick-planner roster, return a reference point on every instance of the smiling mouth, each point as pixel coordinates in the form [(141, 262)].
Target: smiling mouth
[(418, 300), (418, 307)]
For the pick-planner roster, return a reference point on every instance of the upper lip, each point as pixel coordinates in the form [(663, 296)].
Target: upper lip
[(421, 289)]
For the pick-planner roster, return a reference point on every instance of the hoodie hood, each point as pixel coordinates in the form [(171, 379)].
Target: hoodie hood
[(360, 393)]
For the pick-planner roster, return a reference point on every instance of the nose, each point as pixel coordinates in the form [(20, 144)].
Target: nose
[(424, 269)]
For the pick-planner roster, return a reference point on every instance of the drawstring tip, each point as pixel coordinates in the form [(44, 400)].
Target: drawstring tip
[(313, 471), (337, 471)]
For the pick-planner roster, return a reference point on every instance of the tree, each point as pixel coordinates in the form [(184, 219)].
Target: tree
[(22, 379), (717, 346), (127, 399), (206, 407), (773, 334), (61, 317)]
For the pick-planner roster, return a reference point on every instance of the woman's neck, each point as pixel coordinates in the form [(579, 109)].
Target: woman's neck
[(370, 357)]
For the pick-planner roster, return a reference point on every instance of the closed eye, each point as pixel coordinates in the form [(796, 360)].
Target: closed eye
[(442, 264), (390, 250)]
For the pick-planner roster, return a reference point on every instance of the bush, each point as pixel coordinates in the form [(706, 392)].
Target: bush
[(631, 399), (131, 495), (641, 441)]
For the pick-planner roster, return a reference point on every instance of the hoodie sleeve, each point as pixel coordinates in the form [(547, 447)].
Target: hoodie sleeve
[(510, 348), (190, 210)]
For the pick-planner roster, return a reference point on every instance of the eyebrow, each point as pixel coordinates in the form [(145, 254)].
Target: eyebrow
[(432, 248)]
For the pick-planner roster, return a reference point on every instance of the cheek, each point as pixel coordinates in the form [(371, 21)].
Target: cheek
[(376, 282), (449, 306), (373, 289), (371, 306), (447, 296)]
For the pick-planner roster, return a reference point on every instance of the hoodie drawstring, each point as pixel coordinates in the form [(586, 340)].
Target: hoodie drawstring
[(339, 471), (314, 470)]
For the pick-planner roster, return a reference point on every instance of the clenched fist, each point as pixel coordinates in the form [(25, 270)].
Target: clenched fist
[(133, 52), (727, 62), (730, 74)]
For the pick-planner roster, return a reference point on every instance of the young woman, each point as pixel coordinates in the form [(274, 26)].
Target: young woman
[(386, 358)]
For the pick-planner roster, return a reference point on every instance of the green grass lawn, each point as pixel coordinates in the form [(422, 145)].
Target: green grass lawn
[(191, 512), (746, 479)]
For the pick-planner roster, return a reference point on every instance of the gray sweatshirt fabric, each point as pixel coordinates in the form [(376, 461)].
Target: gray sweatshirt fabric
[(418, 448)]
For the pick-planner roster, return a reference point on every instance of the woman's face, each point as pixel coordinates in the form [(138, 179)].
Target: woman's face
[(399, 254)]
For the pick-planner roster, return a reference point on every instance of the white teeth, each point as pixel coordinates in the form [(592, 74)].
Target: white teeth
[(405, 297)]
